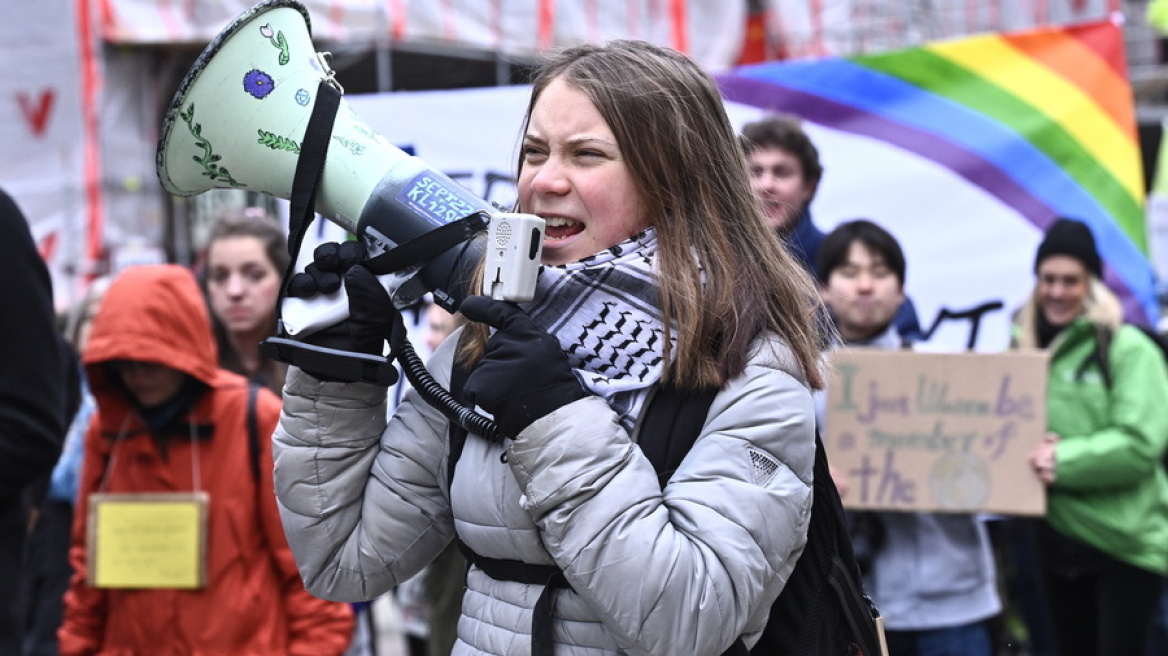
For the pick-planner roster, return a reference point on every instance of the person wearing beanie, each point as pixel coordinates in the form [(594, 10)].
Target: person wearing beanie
[(1073, 239), (1102, 546)]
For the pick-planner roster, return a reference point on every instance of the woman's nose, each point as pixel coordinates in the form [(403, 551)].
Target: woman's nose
[(235, 285), (549, 179)]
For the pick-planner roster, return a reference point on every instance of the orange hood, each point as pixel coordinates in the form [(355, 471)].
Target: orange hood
[(152, 313)]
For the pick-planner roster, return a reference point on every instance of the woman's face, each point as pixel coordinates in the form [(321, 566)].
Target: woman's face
[(243, 284), (575, 177), (1063, 285)]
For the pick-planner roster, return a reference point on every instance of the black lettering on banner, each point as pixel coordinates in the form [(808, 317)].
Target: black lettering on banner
[(973, 315)]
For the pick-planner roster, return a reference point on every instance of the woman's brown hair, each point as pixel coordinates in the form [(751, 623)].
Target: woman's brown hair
[(724, 278), (250, 222)]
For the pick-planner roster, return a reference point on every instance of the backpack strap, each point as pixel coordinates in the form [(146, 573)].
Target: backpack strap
[(549, 576), (672, 423), (455, 433), (253, 431), (845, 578), (1100, 355)]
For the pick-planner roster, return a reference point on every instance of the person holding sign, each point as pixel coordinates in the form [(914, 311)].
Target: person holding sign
[(177, 543), (1103, 545), (931, 574), (658, 271)]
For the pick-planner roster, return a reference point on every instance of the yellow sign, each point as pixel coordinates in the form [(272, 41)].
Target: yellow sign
[(147, 540), (937, 432)]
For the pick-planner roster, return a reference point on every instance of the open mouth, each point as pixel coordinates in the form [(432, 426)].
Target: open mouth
[(559, 227)]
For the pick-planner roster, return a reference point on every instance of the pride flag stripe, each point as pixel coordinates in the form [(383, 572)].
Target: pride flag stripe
[(1106, 40), (1125, 262), (956, 125), (1075, 60), (1041, 120), (929, 76), (1084, 120)]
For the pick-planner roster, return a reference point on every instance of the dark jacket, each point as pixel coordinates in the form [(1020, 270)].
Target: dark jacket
[(32, 397)]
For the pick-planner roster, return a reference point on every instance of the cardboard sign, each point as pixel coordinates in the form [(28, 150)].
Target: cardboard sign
[(147, 540), (937, 432)]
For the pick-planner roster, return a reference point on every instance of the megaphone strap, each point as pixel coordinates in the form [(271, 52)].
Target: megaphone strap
[(306, 181), (310, 164), (428, 245)]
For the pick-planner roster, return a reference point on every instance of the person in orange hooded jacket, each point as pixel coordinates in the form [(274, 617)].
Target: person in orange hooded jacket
[(169, 420)]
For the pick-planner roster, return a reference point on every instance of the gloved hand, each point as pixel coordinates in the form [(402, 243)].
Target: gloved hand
[(330, 261), (524, 373), (353, 349), (372, 316)]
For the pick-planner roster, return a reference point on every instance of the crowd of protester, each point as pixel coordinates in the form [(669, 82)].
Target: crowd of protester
[(153, 388)]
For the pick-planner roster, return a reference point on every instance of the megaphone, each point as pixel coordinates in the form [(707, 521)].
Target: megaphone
[(238, 121)]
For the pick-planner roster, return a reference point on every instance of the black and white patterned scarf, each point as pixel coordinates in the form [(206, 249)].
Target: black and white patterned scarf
[(604, 310)]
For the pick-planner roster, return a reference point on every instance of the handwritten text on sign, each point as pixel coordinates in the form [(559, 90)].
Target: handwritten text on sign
[(147, 540), (940, 432)]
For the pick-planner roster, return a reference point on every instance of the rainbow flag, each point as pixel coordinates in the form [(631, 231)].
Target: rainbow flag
[(1041, 120)]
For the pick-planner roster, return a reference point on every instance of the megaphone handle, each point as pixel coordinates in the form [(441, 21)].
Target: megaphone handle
[(428, 245), (338, 365)]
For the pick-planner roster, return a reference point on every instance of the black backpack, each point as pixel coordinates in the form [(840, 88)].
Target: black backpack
[(822, 610)]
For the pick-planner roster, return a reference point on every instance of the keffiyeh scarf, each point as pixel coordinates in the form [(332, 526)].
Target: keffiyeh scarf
[(604, 311)]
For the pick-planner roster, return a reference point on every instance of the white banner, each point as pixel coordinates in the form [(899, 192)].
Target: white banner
[(953, 263)]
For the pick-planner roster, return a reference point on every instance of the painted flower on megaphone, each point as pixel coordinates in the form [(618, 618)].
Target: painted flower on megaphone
[(258, 83)]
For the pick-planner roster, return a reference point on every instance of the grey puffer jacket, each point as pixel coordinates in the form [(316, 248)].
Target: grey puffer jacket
[(681, 571)]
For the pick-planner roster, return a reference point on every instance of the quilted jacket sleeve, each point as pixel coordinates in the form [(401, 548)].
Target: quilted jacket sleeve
[(690, 568), (316, 627), (333, 469)]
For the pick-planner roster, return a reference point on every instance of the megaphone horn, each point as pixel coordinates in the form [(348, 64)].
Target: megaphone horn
[(238, 121)]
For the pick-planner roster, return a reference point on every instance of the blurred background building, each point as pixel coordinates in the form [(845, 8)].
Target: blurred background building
[(90, 80)]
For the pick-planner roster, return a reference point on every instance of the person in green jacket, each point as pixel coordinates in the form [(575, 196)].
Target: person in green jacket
[(1103, 544)]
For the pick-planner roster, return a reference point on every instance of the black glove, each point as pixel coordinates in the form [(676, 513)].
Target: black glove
[(524, 373), (372, 316), (348, 345), (330, 261)]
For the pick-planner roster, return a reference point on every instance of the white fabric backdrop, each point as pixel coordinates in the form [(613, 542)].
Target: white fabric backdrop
[(952, 263)]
